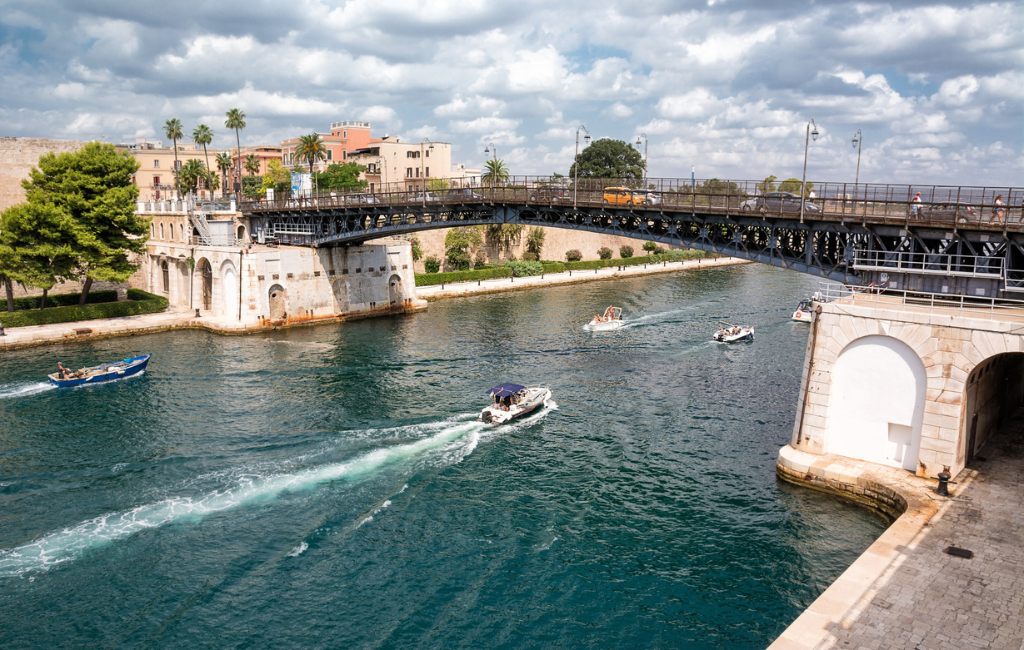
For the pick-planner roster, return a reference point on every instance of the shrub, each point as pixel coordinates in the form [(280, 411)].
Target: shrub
[(480, 261), (535, 242), (60, 300), (427, 279), (625, 251), (659, 250), (604, 253), (649, 246), (529, 257), (553, 267), (573, 255), (431, 264), (139, 302), (417, 249), (525, 268)]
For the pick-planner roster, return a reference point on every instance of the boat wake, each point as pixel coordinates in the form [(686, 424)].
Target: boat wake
[(21, 390), (454, 441)]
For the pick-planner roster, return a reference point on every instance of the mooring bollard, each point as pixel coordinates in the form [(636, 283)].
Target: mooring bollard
[(944, 476), (2, 333), (197, 312)]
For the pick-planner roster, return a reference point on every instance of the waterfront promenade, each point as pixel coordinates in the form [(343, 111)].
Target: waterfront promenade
[(905, 591)]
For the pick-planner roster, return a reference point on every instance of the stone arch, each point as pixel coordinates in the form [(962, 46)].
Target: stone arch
[(162, 231), (229, 287), (396, 294), (205, 271), (165, 273), (240, 233), (278, 298), (994, 389), (181, 232), (876, 405)]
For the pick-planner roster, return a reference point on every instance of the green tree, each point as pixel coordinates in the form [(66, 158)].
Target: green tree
[(277, 178), (417, 248), (611, 159), (202, 136), (172, 129), (94, 187), (767, 185), (535, 241), (36, 240), (224, 164), (793, 185), (504, 236), (458, 246), (495, 172), (438, 185), (192, 172), (236, 120), (252, 164), (311, 149), (341, 177)]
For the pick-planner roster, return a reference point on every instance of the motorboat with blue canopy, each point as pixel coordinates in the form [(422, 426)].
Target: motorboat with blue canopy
[(512, 401), (104, 372)]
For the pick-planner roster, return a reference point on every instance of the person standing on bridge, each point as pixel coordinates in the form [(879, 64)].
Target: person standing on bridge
[(997, 211), (915, 205)]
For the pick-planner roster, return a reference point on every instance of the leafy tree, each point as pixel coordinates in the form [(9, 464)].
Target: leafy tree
[(767, 185), (203, 135), (625, 252), (438, 185), (251, 186), (535, 241), (172, 129), (417, 248), (650, 247), (311, 149), (504, 236), (236, 120), (224, 164), (496, 173), (458, 244), (612, 159), (277, 178), (716, 187), (793, 185), (431, 265), (341, 177), (252, 164), (94, 187), (36, 241), (192, 173), (604, 253)]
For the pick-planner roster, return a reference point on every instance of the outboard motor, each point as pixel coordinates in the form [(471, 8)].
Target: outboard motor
[(486, 416)]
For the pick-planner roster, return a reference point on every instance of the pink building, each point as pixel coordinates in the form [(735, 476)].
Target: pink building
[(344, 138)]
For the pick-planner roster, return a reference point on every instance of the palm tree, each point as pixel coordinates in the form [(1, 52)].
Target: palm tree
[(191, 173), (236, 121), (203, 135), (497, 172), (172, 129), (252, 164), (224, 163), (311, 149)]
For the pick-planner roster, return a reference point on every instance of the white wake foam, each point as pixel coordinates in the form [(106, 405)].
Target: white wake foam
[(21, 390), (454, 442)]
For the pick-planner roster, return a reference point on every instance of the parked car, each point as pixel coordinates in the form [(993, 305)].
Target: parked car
[(623, 196), (653, 198), (548, 193), (778, 202), (421, 197), (462, 194), (360, 199)]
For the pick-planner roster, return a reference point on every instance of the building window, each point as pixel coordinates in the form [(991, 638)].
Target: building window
[(408, 172), (167, 276), (181, 231), (152, 230), (428, 152), (417, 172), (161, 231), (371, 168), (156, 163), (427, 173), (156, 181), (330, 154), (344, 155), (177, 165), (344, 135)]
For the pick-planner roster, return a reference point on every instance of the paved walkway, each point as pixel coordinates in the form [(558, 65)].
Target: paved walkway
[(907, 593)]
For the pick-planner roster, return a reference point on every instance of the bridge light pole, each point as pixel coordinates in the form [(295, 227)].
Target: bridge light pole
[(803, 181), (644, 136), (576, 160), (858, 140), (490, 148), (423, 168)]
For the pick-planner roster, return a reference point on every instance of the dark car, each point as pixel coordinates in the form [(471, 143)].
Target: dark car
[(549, 193), (778, 202), (462, 194)]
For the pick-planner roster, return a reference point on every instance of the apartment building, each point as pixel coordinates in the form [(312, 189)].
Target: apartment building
[(344, 138), (155, 178)]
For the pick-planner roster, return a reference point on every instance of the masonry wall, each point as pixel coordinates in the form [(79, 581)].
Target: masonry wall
[(949, 347)]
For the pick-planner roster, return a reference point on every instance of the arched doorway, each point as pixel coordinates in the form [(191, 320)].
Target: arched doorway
[(206, 273), (241, 233), (278, 302), (395, 291), (994, 390), (229, 286), (876, 410)]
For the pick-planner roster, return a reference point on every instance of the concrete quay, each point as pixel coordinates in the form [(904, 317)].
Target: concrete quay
[(905, 591)]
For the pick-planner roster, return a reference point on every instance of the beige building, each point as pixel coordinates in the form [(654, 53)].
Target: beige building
[(403, 166), (155, 178)]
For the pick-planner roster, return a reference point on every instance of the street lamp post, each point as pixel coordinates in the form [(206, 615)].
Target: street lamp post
[(491, 149), (576, 161), (423, 167), (644, 136), (858, 140), (803, 181)]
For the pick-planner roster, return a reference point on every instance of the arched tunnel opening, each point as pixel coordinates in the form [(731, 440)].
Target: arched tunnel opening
[(994, 392)]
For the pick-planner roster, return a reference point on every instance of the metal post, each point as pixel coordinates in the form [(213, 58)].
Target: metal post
[(576, 161), (858, 139), (803, 181)]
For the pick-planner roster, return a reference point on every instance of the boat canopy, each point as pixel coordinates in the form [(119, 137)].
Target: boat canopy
[(504, 390)]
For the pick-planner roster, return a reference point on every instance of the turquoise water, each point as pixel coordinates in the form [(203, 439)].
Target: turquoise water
[(329, 487)]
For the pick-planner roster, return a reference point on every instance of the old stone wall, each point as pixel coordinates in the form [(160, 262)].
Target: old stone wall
[(847, 407)]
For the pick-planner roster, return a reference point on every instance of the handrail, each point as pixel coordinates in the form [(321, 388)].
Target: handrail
[(906, 299)]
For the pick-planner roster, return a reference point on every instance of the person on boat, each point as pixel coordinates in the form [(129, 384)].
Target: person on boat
[(62, 372)]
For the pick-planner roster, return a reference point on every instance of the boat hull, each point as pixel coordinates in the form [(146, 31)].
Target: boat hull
[(104, 373), (802, 316), (606, 326), (534, 401), (745, 335)]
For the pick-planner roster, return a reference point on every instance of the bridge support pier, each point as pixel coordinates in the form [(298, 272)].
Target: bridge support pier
[(907, 387)]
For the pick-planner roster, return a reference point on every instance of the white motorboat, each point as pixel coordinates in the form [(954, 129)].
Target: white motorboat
[(804, 312), (612, 319), (734, 334), (512, 401)]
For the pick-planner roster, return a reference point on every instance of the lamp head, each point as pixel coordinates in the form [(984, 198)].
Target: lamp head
[(814, 133), (586, 138), (487, 150)]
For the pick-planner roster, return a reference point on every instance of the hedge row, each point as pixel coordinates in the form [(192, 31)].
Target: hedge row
[(139, 302), (668, 256), (60, 300), (427, 279)]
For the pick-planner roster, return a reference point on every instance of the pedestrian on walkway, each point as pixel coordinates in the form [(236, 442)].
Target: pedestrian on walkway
[(915, 205), (997, 211)]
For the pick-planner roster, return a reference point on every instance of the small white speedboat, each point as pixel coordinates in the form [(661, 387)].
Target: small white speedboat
[(804, 312), (612, 319), (734, 334), (512, 401)]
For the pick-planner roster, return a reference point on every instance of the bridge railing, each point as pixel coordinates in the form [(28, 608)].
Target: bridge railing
[(909, 205), (990, 308)]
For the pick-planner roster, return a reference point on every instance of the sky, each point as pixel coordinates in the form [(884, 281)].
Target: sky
[(727, 87)]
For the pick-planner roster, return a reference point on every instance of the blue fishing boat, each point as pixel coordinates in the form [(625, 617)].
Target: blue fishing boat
[(64, 378)]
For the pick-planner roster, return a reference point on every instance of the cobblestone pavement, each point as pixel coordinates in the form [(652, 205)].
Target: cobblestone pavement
[(935, 601)]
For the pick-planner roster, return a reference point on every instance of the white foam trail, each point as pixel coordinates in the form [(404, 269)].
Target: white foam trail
[(66, 545), (370, 516), (298, 550), (14, 390)]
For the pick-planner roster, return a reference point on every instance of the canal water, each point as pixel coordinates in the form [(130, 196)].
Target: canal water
[(329, 487)]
